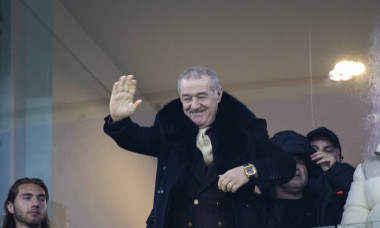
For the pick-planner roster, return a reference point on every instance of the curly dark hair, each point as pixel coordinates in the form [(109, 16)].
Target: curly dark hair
[(8, 220)]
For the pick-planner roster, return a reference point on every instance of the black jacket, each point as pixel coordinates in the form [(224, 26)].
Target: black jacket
[(322, 210), (339, 177), (240, 138)]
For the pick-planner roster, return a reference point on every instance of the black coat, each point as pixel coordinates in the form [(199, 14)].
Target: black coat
[(339, 177), (240, 138), (327, 207), (317, 209)]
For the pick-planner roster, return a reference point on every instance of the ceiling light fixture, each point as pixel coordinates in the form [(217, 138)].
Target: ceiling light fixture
[(345, 70)]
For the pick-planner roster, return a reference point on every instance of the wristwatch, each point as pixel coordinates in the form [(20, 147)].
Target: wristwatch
[(250, 170)]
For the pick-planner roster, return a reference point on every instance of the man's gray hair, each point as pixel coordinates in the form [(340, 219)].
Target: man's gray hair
[(196, 72)]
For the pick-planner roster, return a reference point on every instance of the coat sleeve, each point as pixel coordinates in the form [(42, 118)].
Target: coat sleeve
[(371, 168), (273, 165), (372, 187), (132, 137), (356, 209), (340, 177)]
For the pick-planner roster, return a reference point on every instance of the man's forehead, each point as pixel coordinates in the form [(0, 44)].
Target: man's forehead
[(30, 188), (195, 86)]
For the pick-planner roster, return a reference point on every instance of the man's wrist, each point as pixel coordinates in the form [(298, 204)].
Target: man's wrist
[(250, 170), (115, 118)]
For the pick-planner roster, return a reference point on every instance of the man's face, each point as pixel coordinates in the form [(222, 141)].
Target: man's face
[(300, 179), (29, 207), (198, 100), (325, 145)]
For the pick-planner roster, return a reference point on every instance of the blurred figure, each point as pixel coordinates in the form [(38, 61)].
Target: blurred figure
[(304, 201), (363, 202), (26, 205)]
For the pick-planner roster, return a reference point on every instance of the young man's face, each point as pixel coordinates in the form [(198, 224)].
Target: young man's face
[(325, 145), (198, 101), (29, 207)]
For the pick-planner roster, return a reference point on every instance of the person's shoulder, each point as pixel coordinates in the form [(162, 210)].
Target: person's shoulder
[(233, 111), (260, 121), (173, 104), (233, 105), (359, 173), (342, 166), (171, 108), (172, 115), (348, 166)]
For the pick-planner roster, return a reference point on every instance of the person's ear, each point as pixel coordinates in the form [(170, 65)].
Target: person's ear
[(341, 158), (10, 207), (220, 92)]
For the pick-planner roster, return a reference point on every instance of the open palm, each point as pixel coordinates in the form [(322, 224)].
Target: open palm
[(121, 102)]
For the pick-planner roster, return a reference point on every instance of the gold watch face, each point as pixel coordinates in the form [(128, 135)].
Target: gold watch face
[(249, 170)]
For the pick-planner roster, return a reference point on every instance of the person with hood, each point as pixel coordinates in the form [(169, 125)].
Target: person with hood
[(304, 201), (211, 151)]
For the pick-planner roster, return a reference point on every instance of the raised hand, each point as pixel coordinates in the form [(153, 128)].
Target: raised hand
[(121, 102), (324, 159)]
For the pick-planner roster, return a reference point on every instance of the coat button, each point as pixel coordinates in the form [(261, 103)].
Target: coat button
[(164, 167), (196, 202), (189, 224), (160, 191), (220, 223)]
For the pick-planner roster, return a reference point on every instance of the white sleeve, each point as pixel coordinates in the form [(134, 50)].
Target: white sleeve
[(356, 209), (372, 187)]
